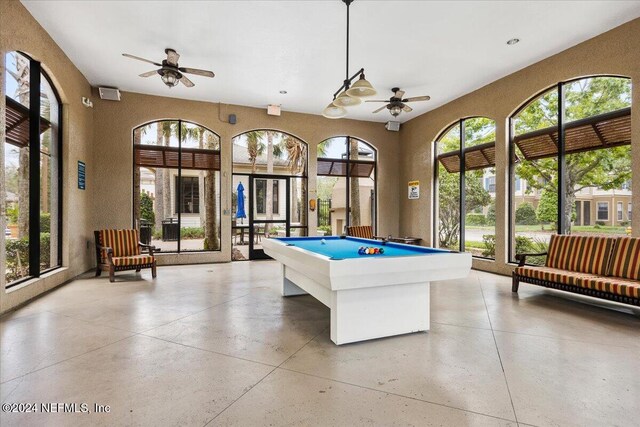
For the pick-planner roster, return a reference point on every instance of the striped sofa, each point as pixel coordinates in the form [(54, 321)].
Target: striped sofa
[(603, 267), (119, 250)]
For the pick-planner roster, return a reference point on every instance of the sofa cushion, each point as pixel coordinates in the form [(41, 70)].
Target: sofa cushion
[(132, 260), (123, 242), (612, 285), (583, 254), (551, 274), (626, 259)]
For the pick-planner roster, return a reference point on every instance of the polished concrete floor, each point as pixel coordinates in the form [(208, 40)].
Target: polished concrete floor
[(217, 345)]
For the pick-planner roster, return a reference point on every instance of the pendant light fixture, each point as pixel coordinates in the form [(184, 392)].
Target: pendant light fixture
[(347, 95)]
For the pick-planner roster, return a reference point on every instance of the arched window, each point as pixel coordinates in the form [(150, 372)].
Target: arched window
[(270, 174), (466, 219), (571, 163), (176, 186), (346, 183), (32, 178)]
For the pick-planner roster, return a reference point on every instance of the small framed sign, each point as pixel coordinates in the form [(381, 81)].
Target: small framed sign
[(82, 175), (414, 189)]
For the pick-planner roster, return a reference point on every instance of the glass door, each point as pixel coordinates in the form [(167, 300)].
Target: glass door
[(269, 211)]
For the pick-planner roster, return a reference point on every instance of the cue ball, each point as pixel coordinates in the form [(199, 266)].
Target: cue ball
[(324, 242)]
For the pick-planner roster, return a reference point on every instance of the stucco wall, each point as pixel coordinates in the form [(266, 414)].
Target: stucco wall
[(615, 52), (113, 156), (19, 31)]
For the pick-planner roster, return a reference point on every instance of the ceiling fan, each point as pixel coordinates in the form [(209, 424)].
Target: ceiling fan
[(170, 72), (396, 104)]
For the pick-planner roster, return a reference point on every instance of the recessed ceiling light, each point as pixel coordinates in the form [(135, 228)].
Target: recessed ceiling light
[(513, 41), (283, 92)]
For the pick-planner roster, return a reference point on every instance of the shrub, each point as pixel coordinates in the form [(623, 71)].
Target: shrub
[(476, 219), (146, 208), (192, 232), (45, 222), (18, 257), (489, 241), (326, 229), (526, 245), (526, 215), (491, 213)]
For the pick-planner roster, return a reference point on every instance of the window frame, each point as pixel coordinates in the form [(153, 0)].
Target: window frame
[(178, 176), (461, 183), (348, 161), (598, 204), (559, 87), (36, 72), (620, 211)]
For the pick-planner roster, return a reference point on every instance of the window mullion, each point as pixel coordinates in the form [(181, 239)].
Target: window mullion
[(462, 187), (562, 184), (34, 168)]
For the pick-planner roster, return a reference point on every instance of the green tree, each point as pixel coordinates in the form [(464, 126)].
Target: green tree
[(547, 211), (146, 208), (526, 214), (605, 168), (449, 202)]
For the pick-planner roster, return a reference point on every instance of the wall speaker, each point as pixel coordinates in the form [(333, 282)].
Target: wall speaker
[(109, 93), (273, 110), (232, 119), (392, 126)]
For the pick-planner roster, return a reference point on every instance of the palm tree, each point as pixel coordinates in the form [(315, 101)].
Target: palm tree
[(354, 185), (255, 147), (297, 162), (211, 235)]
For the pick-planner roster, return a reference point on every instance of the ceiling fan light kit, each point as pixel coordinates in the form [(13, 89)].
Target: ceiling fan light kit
[(169, 71), (347, 95)]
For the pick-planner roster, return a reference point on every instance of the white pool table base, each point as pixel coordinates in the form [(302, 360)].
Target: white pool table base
[(366, 313)]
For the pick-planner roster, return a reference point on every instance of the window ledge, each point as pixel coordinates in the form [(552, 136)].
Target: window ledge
[(52, 273)]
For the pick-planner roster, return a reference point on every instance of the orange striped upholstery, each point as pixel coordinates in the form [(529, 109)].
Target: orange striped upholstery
[(551, 274), (626, 258), (582, 254), (123, 242), (364, 231), (133, 260), (612, 285)]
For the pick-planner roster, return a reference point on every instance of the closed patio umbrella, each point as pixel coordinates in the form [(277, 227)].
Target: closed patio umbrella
[(240, 213)]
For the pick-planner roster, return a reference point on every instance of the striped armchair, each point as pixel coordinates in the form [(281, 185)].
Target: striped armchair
[(119, 250), (362, 231), (603, 267)]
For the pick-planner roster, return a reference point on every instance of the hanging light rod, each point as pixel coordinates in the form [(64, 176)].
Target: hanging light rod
[(347, 95)]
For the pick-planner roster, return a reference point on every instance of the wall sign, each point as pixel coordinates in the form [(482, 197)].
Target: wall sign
[(82, 175), (414, 189)]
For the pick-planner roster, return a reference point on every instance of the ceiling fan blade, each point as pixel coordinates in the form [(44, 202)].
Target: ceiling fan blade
[(203, 73), (141, 59), (399, 94), (376, 100), (380, 109), (185, 81), (172, 56), (149, 73), (417, 98), (407, 109)]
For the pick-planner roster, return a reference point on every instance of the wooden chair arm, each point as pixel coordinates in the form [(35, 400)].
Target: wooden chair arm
[(106, 249), (150, 248), (522, 258)]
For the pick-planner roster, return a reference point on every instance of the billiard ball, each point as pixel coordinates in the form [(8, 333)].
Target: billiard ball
[(324, 242), (381, 250)]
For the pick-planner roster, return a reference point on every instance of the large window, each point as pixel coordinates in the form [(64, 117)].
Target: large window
[(466, 219), (346, 185), (177, 186), (31, 170), (571, 146)]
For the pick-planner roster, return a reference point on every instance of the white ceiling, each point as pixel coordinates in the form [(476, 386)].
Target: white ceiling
[(257, 48)]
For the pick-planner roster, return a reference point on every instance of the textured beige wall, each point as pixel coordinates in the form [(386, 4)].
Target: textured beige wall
[(113, 155), (615, 52), (19, 31)]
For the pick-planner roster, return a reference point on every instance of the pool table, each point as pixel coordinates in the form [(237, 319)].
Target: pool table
[(370, 296)]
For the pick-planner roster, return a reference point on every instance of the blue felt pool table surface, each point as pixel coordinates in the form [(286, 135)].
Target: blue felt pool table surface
[(337, 247)]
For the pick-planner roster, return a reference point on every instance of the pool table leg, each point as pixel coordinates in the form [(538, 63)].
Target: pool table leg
[(368, 313)]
